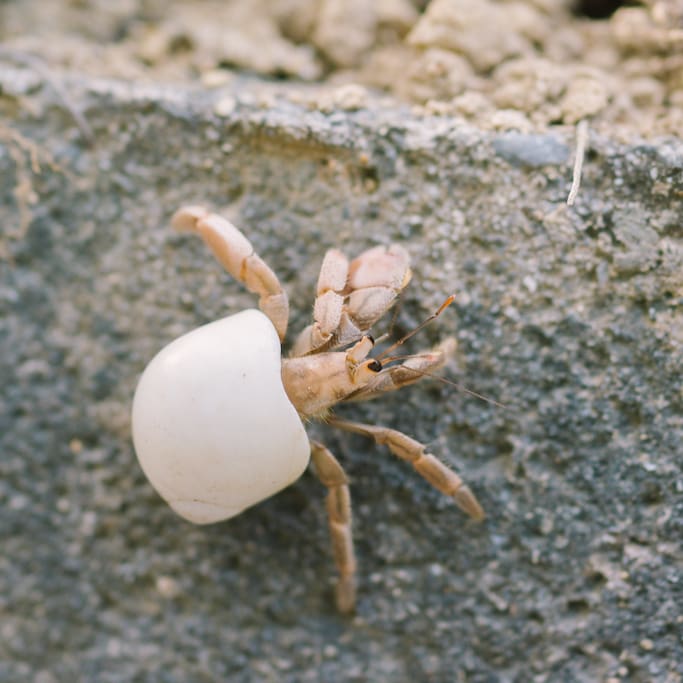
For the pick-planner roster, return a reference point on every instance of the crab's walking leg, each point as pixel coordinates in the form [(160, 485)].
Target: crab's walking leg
[(329, 301), (236, 254), (351, 297), (376, 278), (338, 503), (434, 471)]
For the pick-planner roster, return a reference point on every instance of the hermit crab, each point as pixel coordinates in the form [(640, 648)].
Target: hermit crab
[(218, 416)]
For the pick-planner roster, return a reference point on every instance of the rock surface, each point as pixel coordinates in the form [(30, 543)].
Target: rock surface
[(570, 317)]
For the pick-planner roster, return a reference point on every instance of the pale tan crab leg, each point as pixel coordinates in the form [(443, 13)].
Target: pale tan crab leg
[(236, 254), (434, 471), (344, 312), (338, 504), (327, 309)]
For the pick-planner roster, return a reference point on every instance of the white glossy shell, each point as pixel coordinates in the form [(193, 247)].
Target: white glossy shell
[(212, 425)]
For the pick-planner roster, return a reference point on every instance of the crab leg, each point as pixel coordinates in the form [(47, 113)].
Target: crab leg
[(328, 306), (350, 298), (338, 504), (434, 471), (236, 254)]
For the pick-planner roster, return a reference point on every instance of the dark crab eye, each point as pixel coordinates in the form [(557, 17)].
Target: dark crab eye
[(374, 365)]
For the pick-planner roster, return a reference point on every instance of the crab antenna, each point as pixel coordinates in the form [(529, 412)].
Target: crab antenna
[(459, 387), (449, 300), (465, 390)]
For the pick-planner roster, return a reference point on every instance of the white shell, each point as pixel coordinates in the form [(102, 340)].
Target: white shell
[(212, 425)]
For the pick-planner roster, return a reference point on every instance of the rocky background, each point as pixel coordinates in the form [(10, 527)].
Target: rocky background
[(568, 316)]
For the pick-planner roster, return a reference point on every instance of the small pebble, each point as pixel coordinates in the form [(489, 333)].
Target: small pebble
[(646, 644), (167, 586)]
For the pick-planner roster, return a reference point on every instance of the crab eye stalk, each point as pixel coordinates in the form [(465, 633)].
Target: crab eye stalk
[(374, 365)]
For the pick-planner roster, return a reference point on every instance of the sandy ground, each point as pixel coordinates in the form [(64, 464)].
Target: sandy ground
[(522, 65)]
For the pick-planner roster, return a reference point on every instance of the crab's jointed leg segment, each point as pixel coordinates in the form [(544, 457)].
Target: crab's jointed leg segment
[(345, 311), (434, 471), (338, 503), (376, 277), (328, 306), (236, 254)]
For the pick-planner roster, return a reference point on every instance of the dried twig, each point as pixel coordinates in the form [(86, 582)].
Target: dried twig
[(581, 140)]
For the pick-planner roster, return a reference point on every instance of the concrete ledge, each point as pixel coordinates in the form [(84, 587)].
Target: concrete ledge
[(571, 317)]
